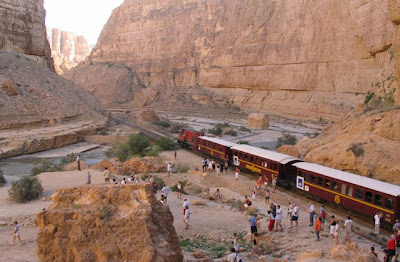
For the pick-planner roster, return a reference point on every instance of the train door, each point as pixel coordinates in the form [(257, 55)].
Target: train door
[(288, 174)]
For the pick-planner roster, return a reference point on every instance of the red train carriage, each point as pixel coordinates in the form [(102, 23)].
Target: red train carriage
[(362, 194), (215, 148), (189, 138), (265, 162)]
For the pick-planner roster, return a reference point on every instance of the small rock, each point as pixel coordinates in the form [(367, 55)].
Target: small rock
[(44, 199), (199, 254)]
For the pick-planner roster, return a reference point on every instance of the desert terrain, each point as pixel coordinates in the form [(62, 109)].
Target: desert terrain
[(212, 224)]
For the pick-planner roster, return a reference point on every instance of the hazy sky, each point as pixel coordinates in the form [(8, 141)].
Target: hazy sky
[(84, 17)]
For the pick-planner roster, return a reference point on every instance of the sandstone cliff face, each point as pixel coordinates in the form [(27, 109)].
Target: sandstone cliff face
[(298, 58), (67, 49), (366, 144), (107, 223), (22, 29)]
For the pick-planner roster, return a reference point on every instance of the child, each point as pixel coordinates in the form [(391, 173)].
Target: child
[(373, 252), (237, 173), (17, 232), (89, 178), (266, 198), (253, 196)]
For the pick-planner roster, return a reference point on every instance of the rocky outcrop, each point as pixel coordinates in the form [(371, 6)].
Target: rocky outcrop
[(67, 49), (22, 29), (302, 58), (257, 121), (40, 110), (107, 223), (365, 144)]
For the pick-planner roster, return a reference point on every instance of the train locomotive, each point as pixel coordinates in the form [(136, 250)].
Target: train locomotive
[(361, 194)]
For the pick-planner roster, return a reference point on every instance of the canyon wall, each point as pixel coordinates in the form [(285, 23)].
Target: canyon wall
[(39, 110), (22, 29), (298, 58), (67, 49)]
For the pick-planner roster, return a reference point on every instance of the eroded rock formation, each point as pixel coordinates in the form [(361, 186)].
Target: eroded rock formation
[(107, 223), (22, 29), (298, 58), (67, 49)]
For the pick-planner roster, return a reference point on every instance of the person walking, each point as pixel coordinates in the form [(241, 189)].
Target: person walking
[(185, 204), (336, 233), (203, 164), (295, 216), (254, 194), (253, 225), (273, 208), (237, 173), (322, 215), (279, 216), (186, 217), (332, 227), (271, 219), (179, 190), (391, 246), (107, 175), (265, 182), (397, 240), (318, 227), (267, 196), (396, 225), (175, 154), (259, 182), (169, 168), (274, 183), (88, 178), (377, 219), (226, 167), (255, 245), (312, 214), (348, 228), (218, 169), (289, 210), (165, 191), (235, 242), (78, 161), (17, 232)]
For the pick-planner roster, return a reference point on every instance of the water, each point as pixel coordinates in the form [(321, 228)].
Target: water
[(17, 167)]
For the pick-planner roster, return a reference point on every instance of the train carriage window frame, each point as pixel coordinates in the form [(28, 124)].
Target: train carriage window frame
[(251, 159), (389, 203), (313, 179), (359, 194), (327, 183), (245, 157), (306, 176), (368, 196), (350, 191), (335, 186), (320, 181), (378, 200), (273, 166), (343, 188)]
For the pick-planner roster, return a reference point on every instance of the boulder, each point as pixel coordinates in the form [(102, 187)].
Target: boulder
[(199, 254), (149, 115), (289, 150), (9, 87), (308, 256), (257, 121), (107, 223), (143, 165), (112, 164)]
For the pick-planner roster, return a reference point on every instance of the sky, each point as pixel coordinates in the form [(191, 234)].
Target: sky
[(83, 17)]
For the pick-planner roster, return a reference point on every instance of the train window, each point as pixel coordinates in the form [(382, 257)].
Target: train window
[(313, 178), (335, 186), (245, 157), (327, 183), (240, 156), (301, 174), (236, 154), (389, 203), (306, 177), (319, 181), (251, 159), (220, 148), (350, 191), (343, 189), (378, 200), (274, 166), (368, 196), (359, 194)]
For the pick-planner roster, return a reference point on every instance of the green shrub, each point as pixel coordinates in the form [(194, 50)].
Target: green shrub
[(166, 143), (231, 132), (162, 123), (123, 152), (243, 142), (138, 143), (181, 168), (176, 127), (236, 204), (25, 189), (286, 139), (160, 183), (216, 131), (145, 177), (357, 149), (368, 98), (154, 151), (45, 165), (111, 152), (2, 179), (244, 129), (174, 188), (65, 160), (103, 133)]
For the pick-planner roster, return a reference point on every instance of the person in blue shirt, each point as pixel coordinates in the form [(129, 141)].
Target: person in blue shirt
[(253, 225)]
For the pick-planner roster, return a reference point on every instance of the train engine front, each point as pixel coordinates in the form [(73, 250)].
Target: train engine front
[(189, 139)]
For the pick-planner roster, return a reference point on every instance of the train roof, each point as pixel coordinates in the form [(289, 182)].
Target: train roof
[(362, 181), (272, 155), (218, 141)]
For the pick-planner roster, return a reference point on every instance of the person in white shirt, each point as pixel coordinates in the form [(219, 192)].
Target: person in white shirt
[(348, 228), (169, 168), (186, 217), (234, 256), (165, 190), (185, 204), (377, 218), (295, 216), (312, 214), (279, 216), (235, 242)]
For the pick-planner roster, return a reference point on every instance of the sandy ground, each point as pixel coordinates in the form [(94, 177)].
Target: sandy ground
[(214, 221)]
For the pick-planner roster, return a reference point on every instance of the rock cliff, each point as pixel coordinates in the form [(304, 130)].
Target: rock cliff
[(107, 223), (299, 58), (22, 29), (67, 49)]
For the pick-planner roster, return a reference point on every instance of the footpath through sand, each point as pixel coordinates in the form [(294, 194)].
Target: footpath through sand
[(212, 223)]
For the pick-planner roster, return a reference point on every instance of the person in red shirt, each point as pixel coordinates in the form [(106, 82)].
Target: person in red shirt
[(391, 245)]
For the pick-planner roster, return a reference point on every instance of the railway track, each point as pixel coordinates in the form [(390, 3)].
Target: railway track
[(144, 131)]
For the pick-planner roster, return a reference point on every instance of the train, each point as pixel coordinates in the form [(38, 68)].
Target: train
[(360, 194)]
